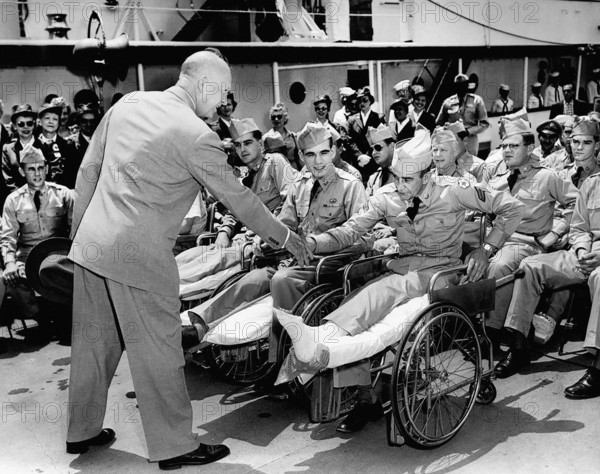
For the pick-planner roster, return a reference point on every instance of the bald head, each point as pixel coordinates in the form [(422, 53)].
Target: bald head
[(207, 79)]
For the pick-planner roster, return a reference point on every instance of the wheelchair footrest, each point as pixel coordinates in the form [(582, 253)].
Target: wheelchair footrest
[(325, 400)]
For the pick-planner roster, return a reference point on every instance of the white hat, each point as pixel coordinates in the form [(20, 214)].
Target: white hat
[(402, 85), (312, 135), (346, 91), (413, 156)]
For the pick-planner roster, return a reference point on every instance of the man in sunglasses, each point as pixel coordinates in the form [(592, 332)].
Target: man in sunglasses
[(382, 152), (540, 189), (23, 119)]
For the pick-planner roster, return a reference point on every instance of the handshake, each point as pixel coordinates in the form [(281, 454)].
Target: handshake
[(298, 245)]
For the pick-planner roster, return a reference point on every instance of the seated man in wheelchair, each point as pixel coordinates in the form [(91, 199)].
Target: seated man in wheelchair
[(322, 198), (564, 268), (270, 177), (429, 235)]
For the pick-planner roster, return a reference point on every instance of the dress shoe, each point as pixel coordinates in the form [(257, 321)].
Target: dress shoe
[(359, 416), (588, 386), (511, 363), (80, 447), (203, 454)]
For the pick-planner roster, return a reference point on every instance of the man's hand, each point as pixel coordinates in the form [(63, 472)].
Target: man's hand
[(222, 240), (257, 245), (588, 262), (12, 272), (477, 263), (363, 160), (548, 240), (382, 233), (297, 246)]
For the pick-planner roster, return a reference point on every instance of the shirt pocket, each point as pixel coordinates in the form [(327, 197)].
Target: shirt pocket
[(532, 198), (55, 211), (594, 213), (332, 213), (27, 217)]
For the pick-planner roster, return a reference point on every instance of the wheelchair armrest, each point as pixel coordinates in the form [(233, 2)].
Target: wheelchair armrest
[(327, 262), (210, 236), (269, 257), (366, 269)]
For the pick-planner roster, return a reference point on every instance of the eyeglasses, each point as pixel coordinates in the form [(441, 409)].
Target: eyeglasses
[(276, 117), (510, 146), (321, 109), (29, 123), (377, 147), (365, 99)]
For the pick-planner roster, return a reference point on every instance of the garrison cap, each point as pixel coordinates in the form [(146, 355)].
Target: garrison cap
[(273, 142), (443, 134), (516, 127), (243, 126), (379, 134), (412, 156), (312, 135), (585, 127)]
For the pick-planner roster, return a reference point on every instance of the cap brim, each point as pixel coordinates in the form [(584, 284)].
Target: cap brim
[(56, 247)]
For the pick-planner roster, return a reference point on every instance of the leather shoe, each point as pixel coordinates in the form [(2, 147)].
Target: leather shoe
[(80, 447), (588, 386), (359, 416), (203, 454), (511, 363), (189, 337)]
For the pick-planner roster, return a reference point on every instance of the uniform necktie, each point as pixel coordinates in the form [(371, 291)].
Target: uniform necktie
[(37, 201), (505, 106), (249, 179), (314, 191), (577, 176), (512, 179), (411, 211), (556, 96)]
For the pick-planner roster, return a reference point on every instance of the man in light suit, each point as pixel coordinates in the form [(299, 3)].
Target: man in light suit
[(143, 168)]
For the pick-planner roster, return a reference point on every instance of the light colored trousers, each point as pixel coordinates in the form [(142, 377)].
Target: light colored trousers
[(107, 317)]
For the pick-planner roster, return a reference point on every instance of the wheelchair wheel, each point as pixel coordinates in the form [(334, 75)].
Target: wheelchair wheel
[(310, 296), (434, 387), (243, 364)]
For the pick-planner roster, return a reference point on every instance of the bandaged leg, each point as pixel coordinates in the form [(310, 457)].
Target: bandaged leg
[(309, 341)]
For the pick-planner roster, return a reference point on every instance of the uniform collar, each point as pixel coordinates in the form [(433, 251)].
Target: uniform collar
[(25, 189), (327, 180), (590, 167), (427, 192), (532, 164)]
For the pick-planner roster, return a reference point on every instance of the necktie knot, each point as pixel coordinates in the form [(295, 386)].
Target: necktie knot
[(412, 211), (249, 179), (512, 179)]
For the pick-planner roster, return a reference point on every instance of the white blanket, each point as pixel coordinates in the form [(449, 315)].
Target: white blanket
[(189, 290), (253, 322)]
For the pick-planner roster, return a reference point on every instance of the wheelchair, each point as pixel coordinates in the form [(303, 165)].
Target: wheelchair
[(436, 372), (251, 362)]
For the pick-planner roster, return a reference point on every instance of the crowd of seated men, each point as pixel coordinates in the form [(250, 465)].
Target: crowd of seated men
[(411, 184)]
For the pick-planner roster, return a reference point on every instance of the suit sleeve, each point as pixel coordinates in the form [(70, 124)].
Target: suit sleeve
[(207, 162)]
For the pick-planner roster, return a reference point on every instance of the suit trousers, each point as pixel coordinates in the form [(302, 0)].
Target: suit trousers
[(108, 317), (505, 262)]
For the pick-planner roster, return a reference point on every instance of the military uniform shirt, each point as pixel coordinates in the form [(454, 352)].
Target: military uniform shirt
[(472, 112), (437, 229), (540, 188), (557, 160), (271, 184), (585, 225), (341, 195), (23, 227), (571, 169)]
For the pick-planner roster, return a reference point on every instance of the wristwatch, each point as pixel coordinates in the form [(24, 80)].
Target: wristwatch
[(489, 249)]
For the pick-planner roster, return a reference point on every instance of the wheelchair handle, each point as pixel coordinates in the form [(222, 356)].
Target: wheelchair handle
[(517, 274), (244, 247)]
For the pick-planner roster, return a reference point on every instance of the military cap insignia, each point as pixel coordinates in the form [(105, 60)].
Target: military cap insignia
[(333, 200), (463, 183)]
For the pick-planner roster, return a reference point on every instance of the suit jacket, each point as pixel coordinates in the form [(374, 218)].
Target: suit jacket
[(579, 108), (407, 132), (427, 120), (139, 177), (359, 144)]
